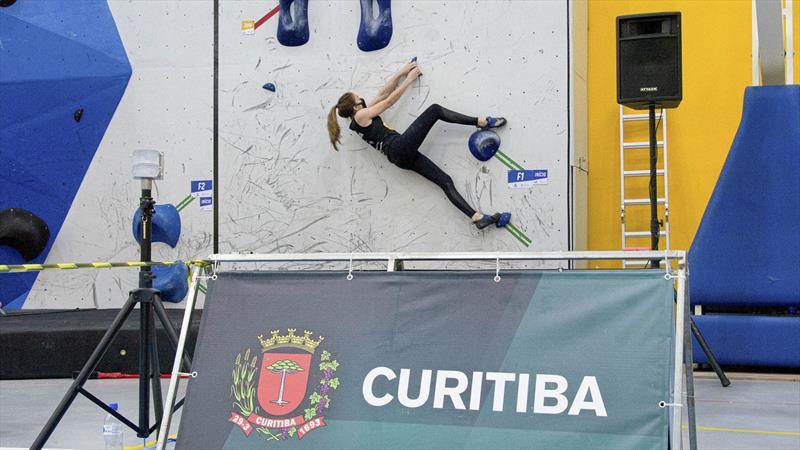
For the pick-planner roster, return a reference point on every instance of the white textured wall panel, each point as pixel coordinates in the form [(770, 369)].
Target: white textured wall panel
[(284, 189)]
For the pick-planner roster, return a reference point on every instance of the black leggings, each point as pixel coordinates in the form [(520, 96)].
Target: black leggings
[(404, 151)]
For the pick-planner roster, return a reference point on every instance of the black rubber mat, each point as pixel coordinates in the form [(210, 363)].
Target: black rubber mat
[(56, 343)]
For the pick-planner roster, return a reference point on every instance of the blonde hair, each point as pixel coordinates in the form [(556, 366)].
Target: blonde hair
[(344, 107)]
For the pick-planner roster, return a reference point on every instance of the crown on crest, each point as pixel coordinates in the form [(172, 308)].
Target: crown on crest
[(305, 342)]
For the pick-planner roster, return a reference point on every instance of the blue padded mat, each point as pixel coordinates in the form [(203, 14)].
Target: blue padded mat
[(747, 248), (749, 340)]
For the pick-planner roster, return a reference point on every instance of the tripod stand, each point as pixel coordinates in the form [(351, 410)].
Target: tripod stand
[(149, 301), (655, 231)]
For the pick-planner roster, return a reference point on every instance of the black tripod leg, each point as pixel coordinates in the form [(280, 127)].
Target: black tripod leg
[(145, 317), (155, 374), (161, 312), (710, 356), (88, 368)]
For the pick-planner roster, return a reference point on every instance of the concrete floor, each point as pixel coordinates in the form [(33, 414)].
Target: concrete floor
[(749, 414), (762, 413), (25, 406)]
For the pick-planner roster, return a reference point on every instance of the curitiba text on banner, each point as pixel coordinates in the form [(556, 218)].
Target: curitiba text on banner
[(548, 391)]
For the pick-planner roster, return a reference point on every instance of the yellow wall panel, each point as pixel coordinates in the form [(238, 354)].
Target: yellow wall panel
[(716, 40)]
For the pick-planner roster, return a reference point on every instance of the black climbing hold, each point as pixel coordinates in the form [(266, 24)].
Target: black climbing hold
[(23, 231), (5, 3), (78, 114)]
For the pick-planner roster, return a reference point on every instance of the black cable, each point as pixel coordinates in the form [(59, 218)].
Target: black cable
[(660, 115)]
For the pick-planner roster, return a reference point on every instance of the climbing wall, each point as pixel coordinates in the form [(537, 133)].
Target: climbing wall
[(167, 106), (284, 188)]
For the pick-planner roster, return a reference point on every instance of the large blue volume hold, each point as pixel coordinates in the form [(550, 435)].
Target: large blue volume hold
[(172, 281), (375, 33), (293, 23), (746, 248), (63, 71), (165, 225)]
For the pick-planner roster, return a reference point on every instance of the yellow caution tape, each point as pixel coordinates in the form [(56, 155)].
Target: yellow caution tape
[(94, 265), (734, 430)]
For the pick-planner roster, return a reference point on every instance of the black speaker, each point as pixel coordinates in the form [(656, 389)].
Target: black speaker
[(649, 60)]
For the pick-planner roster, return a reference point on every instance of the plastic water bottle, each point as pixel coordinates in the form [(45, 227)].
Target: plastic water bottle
[(112, 431)]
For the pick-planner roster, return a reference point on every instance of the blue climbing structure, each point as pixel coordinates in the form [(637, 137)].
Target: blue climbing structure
[(375, 30), (293, 28), (745, 255), (63, 70)]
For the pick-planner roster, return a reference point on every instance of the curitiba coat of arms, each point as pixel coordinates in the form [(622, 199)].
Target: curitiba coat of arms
[(269, 396)]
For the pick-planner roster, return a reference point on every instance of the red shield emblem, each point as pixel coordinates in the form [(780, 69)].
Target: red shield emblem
[(282, 382)]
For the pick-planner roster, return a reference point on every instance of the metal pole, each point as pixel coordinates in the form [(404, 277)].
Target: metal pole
[(144, 371), (166, 418), (145, 308), (146, 207), (654, 225), (155, 368), (447, 256), (215, 134), (688, 363), (677, 381)]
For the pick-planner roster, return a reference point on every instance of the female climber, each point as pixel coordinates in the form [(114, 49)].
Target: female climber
[(402, 150)]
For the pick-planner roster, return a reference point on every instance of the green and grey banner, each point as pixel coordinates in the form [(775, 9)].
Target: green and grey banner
[(577, 359)]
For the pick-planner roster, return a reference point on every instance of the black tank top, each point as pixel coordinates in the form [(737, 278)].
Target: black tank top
[(377, 134)]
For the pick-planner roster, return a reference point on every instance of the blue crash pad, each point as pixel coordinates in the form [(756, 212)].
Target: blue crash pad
[(747, 247), (749, 340)]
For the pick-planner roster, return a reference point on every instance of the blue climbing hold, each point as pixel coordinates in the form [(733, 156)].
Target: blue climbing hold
[(269, 87), (166, 225), (414, 59), (172, 281), (484, 144), (375, 33), (293, 23), (503, 220)]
